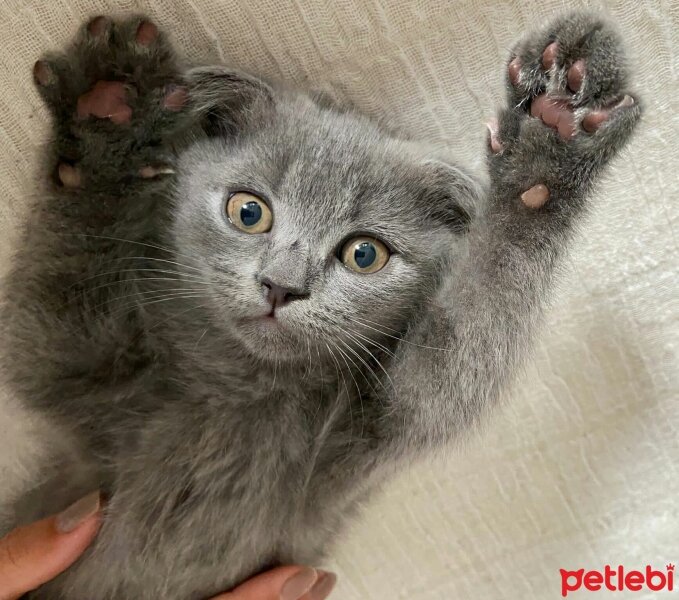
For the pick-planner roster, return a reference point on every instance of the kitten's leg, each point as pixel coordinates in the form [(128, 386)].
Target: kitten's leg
[(115, 98), (568, 113)]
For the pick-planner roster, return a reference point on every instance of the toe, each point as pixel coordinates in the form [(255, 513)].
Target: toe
[(42, 73), (514, 70), (98, 26), (549, 55), (575, 75), (147, 33)]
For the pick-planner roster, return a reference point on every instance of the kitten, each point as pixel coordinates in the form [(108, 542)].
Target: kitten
[(246, 307)]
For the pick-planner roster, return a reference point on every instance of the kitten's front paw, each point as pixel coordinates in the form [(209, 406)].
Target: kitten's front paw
[(115, 94), (570, 109)]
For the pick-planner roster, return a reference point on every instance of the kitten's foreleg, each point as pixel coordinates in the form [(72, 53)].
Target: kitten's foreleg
[(569, 112)]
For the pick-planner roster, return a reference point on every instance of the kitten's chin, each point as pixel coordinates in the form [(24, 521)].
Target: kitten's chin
[(269, 339)]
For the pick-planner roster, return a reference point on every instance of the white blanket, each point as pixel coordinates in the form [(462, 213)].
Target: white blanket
[(581, 467)]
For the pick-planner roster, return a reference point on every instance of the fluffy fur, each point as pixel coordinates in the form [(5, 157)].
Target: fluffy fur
[(226, 446)]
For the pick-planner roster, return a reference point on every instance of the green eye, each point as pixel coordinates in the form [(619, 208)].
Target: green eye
[(249, 213), (365, 254)]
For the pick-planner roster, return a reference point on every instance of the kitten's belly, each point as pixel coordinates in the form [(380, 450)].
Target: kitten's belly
[(258, 501)]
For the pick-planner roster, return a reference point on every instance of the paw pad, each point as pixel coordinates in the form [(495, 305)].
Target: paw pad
[(147, 33), (98, 26), (494, 140), (175, 98), (549, 56), (576, 75), (42, 73), (514, 71), (69, 176), (555, 113), (535, 197), (106, 100)]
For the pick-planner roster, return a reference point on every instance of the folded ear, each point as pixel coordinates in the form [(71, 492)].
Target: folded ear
[(452, 195), (226, 100)]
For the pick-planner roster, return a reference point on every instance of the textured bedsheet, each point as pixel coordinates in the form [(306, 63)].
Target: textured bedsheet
[(581, 465)]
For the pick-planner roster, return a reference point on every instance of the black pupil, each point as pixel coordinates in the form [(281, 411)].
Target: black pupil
[(365, 254), (250, 213)]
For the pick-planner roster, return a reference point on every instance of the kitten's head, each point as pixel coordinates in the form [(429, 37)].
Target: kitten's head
[(315, 230)]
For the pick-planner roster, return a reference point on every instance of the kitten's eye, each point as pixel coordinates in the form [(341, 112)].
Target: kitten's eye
[(365, 254), (249, 213)]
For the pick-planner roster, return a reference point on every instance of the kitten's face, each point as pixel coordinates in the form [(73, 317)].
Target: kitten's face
[(316, 234)]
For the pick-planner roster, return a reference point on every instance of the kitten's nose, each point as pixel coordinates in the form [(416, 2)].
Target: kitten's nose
[(277, 295)]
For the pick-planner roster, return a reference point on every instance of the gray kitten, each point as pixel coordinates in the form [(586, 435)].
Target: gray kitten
[(248, 307)]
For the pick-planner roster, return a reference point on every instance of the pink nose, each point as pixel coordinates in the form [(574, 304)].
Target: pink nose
[(277, 295)]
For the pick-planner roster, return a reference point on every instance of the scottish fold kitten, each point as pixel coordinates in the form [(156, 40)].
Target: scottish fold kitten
[(246, 307)]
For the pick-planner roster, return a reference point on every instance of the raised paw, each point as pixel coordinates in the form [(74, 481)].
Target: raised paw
[(116, 95), (573, 68), (568, 104)]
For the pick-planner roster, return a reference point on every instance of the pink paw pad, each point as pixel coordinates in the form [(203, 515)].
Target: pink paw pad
[(494, 139), (549, 56), (514, 70), (147, 33), (106, 100), (98, 26), (175, 98), (69, 176), (535, 197), (42, 73), (554, 113), (575, 75), (596, 118)]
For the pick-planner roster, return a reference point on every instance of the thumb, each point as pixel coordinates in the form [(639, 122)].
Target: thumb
[(36, 553), (285, 583)]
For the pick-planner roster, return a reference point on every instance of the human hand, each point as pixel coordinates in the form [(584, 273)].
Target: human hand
[(34, 554)]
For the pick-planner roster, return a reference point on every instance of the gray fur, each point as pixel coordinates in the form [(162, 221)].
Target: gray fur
[(224, 447)]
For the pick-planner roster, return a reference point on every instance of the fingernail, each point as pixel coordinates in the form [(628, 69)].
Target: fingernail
[(324, 585), (78, 513), (299, 584)]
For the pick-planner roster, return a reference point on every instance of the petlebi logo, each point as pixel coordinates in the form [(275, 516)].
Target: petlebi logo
[(618, 579)]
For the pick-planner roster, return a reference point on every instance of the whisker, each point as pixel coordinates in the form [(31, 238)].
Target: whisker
[(150, 294), (400, 339), (133, 271), (370, 370), (200, 339), (125, 241), (131, 306), (83, 293), (344, 381), (163, 260), (374, 358), (373, 342)]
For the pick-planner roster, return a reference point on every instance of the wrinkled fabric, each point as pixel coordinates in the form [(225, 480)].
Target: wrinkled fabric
[(579, 468)]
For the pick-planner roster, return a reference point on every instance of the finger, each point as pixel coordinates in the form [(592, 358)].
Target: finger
[(284, 583), (36, 553)]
